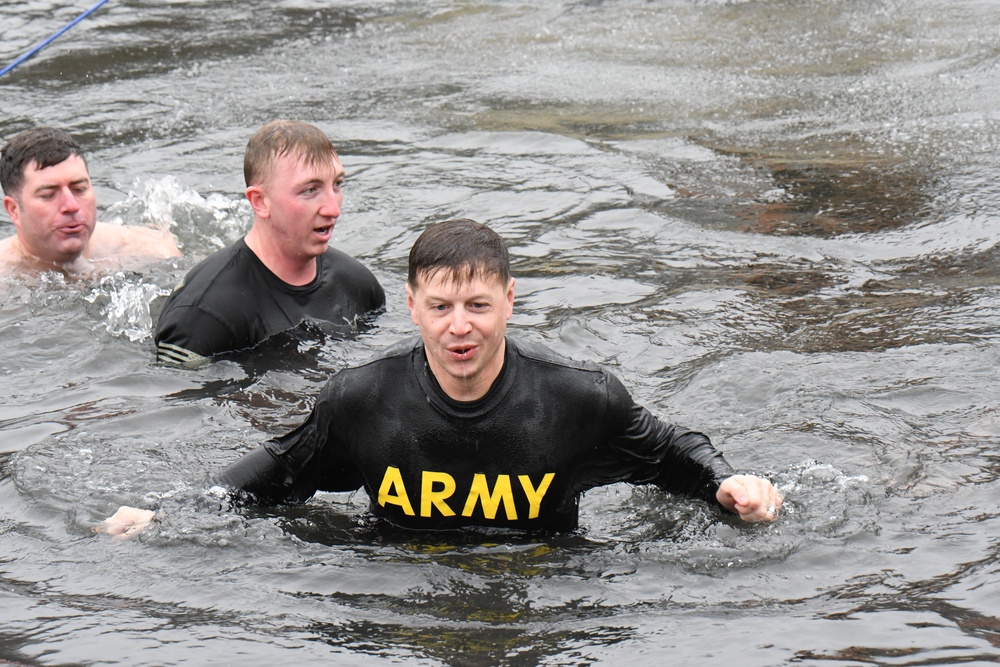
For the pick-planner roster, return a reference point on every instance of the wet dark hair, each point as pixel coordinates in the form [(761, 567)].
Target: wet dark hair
[(46, 146), (465, 248), (284, 137)]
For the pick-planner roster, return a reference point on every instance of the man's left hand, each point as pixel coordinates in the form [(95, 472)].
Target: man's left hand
[(753, 498)]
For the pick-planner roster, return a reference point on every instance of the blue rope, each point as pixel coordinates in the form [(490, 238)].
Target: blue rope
[(51, 39)]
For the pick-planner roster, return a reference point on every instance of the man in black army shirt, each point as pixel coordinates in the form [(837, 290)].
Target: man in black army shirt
[(465, 426)]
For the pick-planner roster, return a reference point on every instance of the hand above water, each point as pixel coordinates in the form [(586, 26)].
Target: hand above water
[(126, 523), (753, 498)]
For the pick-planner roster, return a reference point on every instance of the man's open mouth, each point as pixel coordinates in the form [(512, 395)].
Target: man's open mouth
[(462, 352)]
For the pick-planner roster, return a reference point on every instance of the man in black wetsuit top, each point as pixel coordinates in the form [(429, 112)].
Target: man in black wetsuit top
[(283, 272), (466, 426)]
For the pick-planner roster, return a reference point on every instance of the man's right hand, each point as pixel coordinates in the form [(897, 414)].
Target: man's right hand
[(127, 522)]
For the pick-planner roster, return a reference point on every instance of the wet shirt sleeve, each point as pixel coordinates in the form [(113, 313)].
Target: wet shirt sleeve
[(641, 449), (295, 466), (187, 336)]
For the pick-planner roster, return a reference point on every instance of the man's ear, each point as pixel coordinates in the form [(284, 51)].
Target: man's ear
[(510, 298), (13, 211), (411, 304), (258, 201)]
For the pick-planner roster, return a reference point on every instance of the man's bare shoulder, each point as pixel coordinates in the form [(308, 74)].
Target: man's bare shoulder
[(110, 240), (10, 252), (14, 261), (110, 248)]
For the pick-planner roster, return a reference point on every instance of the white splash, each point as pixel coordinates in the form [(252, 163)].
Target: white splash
[(125, 304)]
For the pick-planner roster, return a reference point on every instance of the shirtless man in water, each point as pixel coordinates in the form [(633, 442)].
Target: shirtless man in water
[(50, 199)]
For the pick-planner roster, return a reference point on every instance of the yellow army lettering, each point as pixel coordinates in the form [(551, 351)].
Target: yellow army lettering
[(437, 487)]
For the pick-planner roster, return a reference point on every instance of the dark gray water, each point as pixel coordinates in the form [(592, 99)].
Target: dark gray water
[(775, 220)]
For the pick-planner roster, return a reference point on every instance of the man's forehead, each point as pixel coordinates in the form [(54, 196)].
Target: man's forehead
[(73, 166), (321, 163), (72, 158), (446, 278)]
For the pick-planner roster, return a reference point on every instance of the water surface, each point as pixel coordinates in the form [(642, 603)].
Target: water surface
[(775, 220)]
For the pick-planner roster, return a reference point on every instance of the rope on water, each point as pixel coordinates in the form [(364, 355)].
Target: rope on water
[(51, 39)]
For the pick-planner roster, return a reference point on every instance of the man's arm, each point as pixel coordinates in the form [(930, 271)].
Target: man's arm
[(260, 477), (705, 473), (188, 337), (290, 468), (687, 462), (256, 475)]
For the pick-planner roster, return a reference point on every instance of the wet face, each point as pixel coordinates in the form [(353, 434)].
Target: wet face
[(56, 211), (462, 325), (302, 203)]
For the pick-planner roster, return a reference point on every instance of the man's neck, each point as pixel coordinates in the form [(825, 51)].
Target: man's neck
[(292, 270)]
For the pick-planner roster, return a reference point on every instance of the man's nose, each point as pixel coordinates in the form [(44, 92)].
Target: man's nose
[(68, 201), (331, 203), (460, 324)]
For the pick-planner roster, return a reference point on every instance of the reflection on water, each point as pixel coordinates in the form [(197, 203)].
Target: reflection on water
[(775, 220)]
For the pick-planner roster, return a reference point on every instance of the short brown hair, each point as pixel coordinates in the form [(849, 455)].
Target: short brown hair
[(45, 146), (283, 137), (466, 248)]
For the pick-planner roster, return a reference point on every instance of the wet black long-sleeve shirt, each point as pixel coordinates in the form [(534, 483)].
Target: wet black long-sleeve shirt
[(548, 430)]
